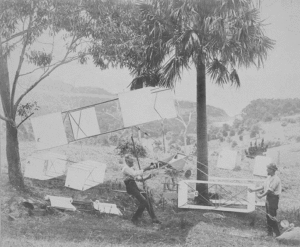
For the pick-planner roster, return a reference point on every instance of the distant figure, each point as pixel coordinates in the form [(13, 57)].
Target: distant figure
[(130, 176), (271, 189), (250, 149)]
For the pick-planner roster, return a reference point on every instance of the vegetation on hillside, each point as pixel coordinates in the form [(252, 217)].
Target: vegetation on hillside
[(268, 109)]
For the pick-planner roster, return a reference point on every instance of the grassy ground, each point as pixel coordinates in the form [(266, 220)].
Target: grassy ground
[(179, 227)]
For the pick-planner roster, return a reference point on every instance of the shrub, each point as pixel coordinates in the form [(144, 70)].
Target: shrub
[(226, 127), (252, 134), (284, 124), (241, 137), (126, 147), (232, 133), (234, 143), (105, 142), (114, 139), (298, 139), (225, 133), (240, 131)]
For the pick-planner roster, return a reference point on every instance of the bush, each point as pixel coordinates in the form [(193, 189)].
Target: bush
[(298, 139), (114, 139), (225, 134), (241, 137), (240, 131), (267, 118), (234, 143), (232, 133), (126, 147), (226, 127), (105, 142), (252, 134)]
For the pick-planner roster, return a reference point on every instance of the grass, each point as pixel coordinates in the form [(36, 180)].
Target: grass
[(179, 228)]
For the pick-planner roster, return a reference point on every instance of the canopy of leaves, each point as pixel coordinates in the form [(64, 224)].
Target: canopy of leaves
[(223, 34)]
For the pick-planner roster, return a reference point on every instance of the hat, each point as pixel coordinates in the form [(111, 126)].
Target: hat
[(272, 166)]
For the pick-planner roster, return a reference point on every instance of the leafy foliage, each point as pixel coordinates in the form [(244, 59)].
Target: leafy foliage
[(126, 147), (24, 110)]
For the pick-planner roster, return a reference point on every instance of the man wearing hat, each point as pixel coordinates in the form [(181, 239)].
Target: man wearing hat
[(272, 190), (131, 175)]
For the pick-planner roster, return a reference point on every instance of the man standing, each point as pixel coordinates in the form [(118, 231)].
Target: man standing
[(272, 190), (131, 175)]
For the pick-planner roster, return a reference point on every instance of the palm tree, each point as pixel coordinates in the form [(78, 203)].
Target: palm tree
[(215, 36)]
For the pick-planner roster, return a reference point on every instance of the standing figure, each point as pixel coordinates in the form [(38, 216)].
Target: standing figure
[(272, 190), (131, 175)]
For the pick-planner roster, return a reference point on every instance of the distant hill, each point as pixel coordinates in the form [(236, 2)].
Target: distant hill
[(269, 109)]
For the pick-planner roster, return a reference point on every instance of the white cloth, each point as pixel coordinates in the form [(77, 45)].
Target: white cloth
[(273, 183), (130, 173)]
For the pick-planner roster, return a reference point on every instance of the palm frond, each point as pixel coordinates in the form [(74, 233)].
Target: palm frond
[(218, 72), (234, 78), (171, 71)]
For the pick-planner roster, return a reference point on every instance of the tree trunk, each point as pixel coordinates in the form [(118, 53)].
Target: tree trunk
[(202, 149), (184, 140), (12, 144), (13, 157)]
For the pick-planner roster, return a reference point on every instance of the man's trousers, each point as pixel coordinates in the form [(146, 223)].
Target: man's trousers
[(144, 201), (271, 209)]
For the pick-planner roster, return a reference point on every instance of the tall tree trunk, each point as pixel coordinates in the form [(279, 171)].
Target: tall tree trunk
[(12, 143), (13, 157), (202, 149)]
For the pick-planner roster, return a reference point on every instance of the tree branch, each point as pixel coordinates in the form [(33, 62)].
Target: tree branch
[(13, 91), (24, 119), (7, 120), (14, 36), (40, 79)]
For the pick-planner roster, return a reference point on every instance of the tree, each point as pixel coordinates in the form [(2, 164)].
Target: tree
[(185, 125), (78, 25), (215, 36)]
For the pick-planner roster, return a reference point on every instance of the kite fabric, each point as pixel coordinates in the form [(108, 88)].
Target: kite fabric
[(84, 123), (146, 105), (49, 131), (228, 159)]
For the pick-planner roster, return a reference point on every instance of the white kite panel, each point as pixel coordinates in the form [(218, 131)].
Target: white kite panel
[(35, 168), (164, 104), (260, 165), (49, 131), (61, 202), (235, 204), (84, 175), (45, 166), (137, 107), (57, 163), (146, 105), (107, 208), (84, 123), (227, 159), (177, 161)]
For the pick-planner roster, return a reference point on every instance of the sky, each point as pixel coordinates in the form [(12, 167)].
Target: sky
[(279, 78)]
